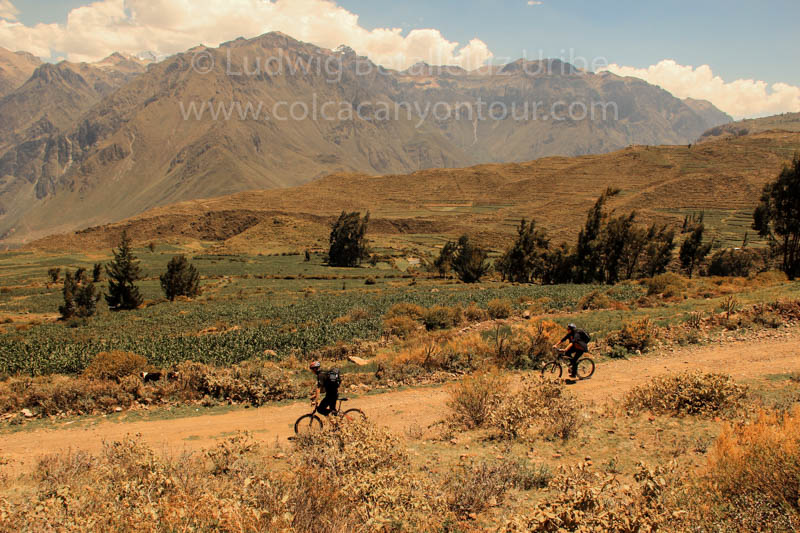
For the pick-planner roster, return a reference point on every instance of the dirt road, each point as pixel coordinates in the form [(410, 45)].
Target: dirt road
[(398, 410)]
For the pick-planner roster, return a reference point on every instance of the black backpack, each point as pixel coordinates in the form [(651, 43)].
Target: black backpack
[(582, 336), (334, 377)]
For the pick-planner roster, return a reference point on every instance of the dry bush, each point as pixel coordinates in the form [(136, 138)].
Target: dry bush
[(526, 347), (668, 285), (585, 500), (638, 335), (472, 488), (687, 393), (442, 317), (115, 365), (351, 448), (254, 382), (229, 455), (412, 311), (473, 399), (540, 407), (400, 326), (499, 308), (372, 467), (473, 313), (595, 300), (756, 467)]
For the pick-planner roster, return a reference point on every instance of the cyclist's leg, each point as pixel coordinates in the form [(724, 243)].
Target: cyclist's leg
[(327, 404), (573, 354)]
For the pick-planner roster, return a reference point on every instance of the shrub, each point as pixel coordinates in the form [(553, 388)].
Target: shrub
[(471, 489), (731, 263), (473, 313), (370, 281), (634, 336), (499, 309), (543, 406), (401, 326), (53, 274), (667, 285), (441, 317), (752, 480), (688, 393), (115, 365), (595, 300), (474, 398)]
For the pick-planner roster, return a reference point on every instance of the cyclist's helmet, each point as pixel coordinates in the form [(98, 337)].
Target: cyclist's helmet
[(315, 365), (572, 327)]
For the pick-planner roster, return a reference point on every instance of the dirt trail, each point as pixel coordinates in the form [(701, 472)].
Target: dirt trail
[(398, 410)]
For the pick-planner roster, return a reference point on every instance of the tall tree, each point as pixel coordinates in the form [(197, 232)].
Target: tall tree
[(123, 273), (588, 259), (693, 251), (525, 260), (80, 299), (444, 263), (777, 217), (659, 251), (470, 261), (348, 243), (180, 279)]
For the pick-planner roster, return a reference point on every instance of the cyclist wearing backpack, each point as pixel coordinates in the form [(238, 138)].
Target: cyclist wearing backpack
[(327, 381), (578, 345)]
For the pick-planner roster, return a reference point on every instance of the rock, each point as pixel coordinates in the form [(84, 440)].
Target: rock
[(588, 459), (473, 516), (556, 456), (358, 361), (526, 315), (453, 441), (279, 456), (27, 413), (118, 409)]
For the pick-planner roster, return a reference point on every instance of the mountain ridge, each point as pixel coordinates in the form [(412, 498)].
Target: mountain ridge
[(133, 149)]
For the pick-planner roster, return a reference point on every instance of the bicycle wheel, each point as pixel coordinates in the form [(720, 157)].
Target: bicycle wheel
[(585, 368), (354, 415), (552, 370), (307, 424)]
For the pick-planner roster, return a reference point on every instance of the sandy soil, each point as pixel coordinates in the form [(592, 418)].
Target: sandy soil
[(399, 410)]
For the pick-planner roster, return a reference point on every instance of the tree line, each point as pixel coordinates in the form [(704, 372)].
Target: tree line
[(81, 295)]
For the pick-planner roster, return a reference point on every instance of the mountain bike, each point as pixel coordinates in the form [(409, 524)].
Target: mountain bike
[(312, 421), (555, 368)]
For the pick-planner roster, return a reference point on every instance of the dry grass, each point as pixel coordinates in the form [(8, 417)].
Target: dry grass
[(688, 393)]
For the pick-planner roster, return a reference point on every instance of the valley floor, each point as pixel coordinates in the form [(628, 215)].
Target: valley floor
[(769, 354)]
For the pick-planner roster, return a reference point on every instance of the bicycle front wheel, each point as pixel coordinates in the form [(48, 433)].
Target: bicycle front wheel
[(354, 415), (585, 368), (307, 424), (552, 370)]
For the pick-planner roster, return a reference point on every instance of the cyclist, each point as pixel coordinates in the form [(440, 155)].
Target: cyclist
[(578, 345), (327, 381)]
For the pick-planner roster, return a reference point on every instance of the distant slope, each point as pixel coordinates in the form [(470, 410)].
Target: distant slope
[(135, 149), (420, 210), (710, 114), (15, 68), (784, 122)]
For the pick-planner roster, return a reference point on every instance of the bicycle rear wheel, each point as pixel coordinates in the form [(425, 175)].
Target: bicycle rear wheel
[(585, 368), (354, 415), (307, 424), (552, 370)]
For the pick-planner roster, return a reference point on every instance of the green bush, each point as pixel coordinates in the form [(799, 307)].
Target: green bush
[(441, 317), (667, 285)]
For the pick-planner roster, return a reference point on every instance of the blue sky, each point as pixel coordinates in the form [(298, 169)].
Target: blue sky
[(738, 39), (740, 55)]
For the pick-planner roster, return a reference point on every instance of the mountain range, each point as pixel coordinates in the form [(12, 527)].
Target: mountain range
[(89, 144)]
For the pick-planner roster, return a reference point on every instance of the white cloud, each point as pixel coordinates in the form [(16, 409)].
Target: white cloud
[(739, 98), (534, 3), (8, 10), (169, 26)]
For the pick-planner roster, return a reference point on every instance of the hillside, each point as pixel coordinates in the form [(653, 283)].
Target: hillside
[(15, 68), (783, 122), (421, 210), (55, 96), (139, 147)]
